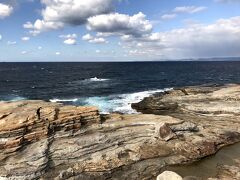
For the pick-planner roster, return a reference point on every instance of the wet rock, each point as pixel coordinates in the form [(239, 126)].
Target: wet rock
[(191, 178)]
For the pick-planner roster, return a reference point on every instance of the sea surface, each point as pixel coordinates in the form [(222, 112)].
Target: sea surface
[(110, 86)]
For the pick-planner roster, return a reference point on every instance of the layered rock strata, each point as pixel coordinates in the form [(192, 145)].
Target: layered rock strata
[(52, 141)]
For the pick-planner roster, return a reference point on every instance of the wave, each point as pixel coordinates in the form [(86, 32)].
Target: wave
[(89, 81), (63, 100), (119, 103), (12, 98), (97, 79)]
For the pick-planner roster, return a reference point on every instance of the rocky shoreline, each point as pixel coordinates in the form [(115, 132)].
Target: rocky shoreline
[(52, 141)]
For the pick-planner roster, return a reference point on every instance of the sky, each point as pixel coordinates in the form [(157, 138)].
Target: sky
[(118, 30)]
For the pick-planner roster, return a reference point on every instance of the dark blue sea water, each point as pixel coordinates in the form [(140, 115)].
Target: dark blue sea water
[(110, 86)]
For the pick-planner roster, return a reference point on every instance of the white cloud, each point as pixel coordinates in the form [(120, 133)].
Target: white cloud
[(98, 40), (220, 39), (69, 39), (11, 42), (28, 25), (68, 36), (135, 25), (0, 37), (168, 16), (42, 26), (87, 37), (57, 53), (95, 40), (5, 10), (189, 9), (25, 38), (101, 34), (39, 47), (98, 51), (24, 52), (59, 13)]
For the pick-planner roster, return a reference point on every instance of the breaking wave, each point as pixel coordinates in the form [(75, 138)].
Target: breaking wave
[(63, 100), (120, 103), (97, 79)]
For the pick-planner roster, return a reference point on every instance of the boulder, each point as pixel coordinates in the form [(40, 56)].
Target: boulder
[(169, 175)]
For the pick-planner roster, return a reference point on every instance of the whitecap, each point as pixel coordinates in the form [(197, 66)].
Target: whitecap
[(89, 81), (97, 79), (63, 100)]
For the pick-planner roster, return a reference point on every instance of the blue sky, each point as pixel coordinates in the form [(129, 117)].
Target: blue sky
[(118, 30)]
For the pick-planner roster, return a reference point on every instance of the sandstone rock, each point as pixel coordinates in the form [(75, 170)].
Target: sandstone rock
[(185, 126), (69, 142), (164, 132), (229, 172), (169, 175)]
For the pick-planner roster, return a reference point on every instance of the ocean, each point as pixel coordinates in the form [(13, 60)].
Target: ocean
[(110, 86)]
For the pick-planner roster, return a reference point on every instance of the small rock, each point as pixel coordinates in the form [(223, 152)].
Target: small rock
[(186, 126), (164, 132), (169, 175)]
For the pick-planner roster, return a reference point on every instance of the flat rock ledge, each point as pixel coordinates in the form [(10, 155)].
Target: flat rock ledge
[(42, 140)]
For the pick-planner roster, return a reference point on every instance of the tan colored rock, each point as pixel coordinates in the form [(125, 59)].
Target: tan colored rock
[(169, 175), (164, 132), (64, 142)]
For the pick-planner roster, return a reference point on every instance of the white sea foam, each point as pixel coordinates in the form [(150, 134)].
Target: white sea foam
[(18, 98), (63, 100), (97, 79), (114, 103), (89, 81), (119, 103)]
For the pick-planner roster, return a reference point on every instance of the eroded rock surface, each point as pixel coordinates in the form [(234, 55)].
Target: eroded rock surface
[(52, 141)]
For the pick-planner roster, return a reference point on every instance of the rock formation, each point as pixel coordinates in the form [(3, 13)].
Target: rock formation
[(169, 175), (52, 141)]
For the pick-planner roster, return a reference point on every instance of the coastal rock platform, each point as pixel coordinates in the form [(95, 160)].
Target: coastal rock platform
[(43, 140)]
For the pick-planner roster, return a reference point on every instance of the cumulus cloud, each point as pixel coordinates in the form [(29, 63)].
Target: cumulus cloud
[(98, 40), (59, 13), (219, 39), (42, 26), (87, 37), (57, 53), (95, 40), (25, 38), (135, 25), (0, 37), (168, 16), (5, 10), (189, 9), (69, 39)]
